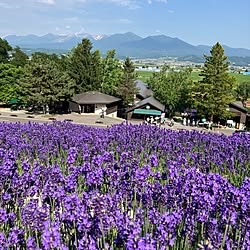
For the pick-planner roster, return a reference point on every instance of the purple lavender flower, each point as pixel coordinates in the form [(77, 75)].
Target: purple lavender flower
[(3, 241), (154, 160), (72, 155), (16, 237), (128, 186), (3, 216), (31, 243), (51, 237)]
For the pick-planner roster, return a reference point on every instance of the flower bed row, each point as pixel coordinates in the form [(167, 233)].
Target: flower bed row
[(65, 186)]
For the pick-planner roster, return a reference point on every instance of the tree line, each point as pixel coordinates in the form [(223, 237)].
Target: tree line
[(46, 79), (210, 96)]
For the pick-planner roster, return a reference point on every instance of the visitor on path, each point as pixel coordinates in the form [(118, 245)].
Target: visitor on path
[(184, 121), (210, 125)]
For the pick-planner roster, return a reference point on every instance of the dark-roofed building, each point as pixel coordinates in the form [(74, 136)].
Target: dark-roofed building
[(240, 114), (145, 103), (143, 90), (94, 102)]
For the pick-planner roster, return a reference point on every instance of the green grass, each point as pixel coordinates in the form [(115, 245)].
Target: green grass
[(145, 76), (239, 77)]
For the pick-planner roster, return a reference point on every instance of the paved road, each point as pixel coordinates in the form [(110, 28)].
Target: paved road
[(25, 120), (19, 119), (86, 119), (23, 116)]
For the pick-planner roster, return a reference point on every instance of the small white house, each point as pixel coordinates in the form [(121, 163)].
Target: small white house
[(94, 102)]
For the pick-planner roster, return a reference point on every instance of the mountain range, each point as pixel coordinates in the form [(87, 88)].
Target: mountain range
[(126, 44)]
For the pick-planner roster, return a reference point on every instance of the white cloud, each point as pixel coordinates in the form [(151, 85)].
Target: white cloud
[(124, 20), (49, 2), (5, 6), (73, 19), (171, 11), (82, 30), (8, 6), (109, 21), (132, 4), (160, 1)]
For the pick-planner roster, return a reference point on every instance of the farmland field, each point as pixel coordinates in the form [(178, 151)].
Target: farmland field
[(65, 186), (145, 76)]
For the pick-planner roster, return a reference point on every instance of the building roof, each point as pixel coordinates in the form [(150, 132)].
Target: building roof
[(148, 101), (94, 97), (237, 105), (143, 89)]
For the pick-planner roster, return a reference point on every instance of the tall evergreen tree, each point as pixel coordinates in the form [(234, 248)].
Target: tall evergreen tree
[(127, 88), (5, 48), (85, 67), (213, 93), (44, 83)]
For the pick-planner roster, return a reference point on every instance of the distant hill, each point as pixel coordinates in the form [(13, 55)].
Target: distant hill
[(126, 44), (228, 50), (234, 60), (50, 41), (161, 45), (116, 41)]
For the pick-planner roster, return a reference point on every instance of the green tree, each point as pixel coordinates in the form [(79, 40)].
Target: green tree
[(84, 66), (9, 76), (61, 61), (214, 92), (172, 88), (19, 58), (111, 75), (127, 88), (5, 48), (96, 70), (64, 62), (44, 83), (243, 92), (53, 57)]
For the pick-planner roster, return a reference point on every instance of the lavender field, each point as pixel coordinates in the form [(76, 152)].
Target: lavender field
[(65, 186)]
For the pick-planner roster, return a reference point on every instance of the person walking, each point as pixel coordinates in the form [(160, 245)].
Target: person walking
[(210, 125)]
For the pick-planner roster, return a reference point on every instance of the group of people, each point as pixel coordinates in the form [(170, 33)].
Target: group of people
[(152, 120), (187, 121), (159, 121)]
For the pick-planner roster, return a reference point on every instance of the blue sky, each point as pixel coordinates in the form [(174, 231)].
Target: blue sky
[(194, 21)]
